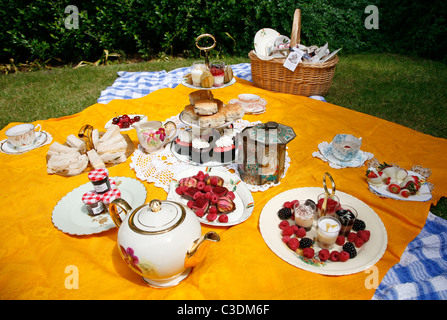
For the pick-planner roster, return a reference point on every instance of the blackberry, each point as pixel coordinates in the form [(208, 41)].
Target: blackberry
[(305, 243), (284, 213), (350, 248), (358, 225)]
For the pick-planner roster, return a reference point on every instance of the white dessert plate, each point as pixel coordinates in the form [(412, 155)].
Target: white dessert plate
[(186, 84), (422, 195), (368, 255), (41, 138), (244, 199), (71, 216), (196, 125), (142, 118), (257, 107)]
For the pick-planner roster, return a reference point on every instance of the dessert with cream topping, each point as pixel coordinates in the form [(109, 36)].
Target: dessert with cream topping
[(183, 143)]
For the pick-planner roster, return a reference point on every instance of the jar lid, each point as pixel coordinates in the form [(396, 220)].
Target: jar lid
[(270, 133), (91, 197), (98, 174), (110, 195), (157, 217)]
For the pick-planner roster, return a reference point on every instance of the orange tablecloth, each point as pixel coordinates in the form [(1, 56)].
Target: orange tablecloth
[(35, 257)]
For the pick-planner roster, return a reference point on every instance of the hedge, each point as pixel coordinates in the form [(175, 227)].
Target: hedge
[(36, 29)]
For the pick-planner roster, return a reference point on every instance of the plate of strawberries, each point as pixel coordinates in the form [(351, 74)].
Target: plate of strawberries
[(217, 198)]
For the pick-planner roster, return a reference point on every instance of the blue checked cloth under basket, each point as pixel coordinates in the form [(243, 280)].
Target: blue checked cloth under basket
[(421, 273)]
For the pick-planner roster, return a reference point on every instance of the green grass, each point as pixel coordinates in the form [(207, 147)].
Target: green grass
[(411, 92)]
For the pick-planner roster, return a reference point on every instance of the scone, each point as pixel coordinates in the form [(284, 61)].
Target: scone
[(233, 112), (205, 107), (212, 121), (189, 115), (200, 95)]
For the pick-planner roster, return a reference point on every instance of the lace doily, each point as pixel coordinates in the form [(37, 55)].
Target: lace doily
[(325, 153), (161, 167)]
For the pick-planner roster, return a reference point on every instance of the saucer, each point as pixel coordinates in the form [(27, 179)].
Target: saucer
[(257, 107), (7, 147), (325, 154)]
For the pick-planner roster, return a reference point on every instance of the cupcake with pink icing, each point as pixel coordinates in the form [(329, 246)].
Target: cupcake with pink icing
[(224, 149), (183, 143)]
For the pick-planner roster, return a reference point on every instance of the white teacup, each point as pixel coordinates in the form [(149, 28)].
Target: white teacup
[(345, 146), (23, 135)]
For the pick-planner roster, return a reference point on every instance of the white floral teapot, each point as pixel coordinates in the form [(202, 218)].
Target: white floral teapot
[(160, 240)]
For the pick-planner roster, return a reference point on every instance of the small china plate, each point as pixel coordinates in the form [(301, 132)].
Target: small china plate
[(325, 149), (41, 138), (142, 118), (71, 216), (422, 195), (244, 199), (262, 38), (257, 107), (186, 84), (368, 255)]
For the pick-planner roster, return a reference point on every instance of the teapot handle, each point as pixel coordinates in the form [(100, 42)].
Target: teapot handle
[(113, 210)]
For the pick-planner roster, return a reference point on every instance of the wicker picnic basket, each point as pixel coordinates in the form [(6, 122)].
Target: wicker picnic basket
[(308, 78)]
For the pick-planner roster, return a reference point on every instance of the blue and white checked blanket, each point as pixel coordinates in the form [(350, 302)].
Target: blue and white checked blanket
[(421, 273)]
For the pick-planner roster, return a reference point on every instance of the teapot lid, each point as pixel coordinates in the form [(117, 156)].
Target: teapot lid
[(270, 133), (157, 217)]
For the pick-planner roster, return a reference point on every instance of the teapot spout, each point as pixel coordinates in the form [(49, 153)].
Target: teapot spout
[(198, 249)]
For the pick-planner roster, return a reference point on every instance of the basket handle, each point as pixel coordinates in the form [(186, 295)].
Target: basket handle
[(296, 29)]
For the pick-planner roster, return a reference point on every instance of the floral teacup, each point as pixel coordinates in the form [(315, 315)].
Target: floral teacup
[(22, 135), (154, 135)]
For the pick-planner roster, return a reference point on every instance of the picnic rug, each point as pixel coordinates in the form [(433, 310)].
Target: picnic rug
[(34, 255)]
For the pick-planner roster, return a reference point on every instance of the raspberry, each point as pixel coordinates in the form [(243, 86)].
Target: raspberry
[(359, 242), (350, 248), (208, 195), (197, 195), (284, 213), (295, 228), (293, 203), (230, 194), (340, 240), (288, 205), (308, 253), (200, 185), (207, 188), (214, 181), (179, 190), (190, 204), (334, 256), (305, 243), (212, 209), (284, 224), (358, 225), (285, 239), (301, 233), (214, 198), (324, 254), (288, 231), (211, 216), (351, 236), (200, 176), (364, 235), (343, 256), (293, 243), (223, 218)]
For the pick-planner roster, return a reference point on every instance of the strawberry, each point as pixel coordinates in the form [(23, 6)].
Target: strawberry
[(404, 193), (394, 188), (387, 180), (371, 174)]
